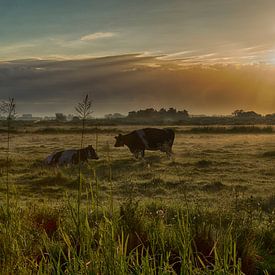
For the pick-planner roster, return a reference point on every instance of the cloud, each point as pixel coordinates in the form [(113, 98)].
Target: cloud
[(130, 82), (176, 55), (16, 47), (97, 35)]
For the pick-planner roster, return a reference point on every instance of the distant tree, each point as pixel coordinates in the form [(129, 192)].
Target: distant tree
[(248, 114), (147, 113), (162, 111), (60, 117), (172, 111), (237, 113), (152, 114), (75, 119), (132, 114), (270, 115), (184, 113), (251, 114), (118, 115), (70, 117), (150, 110), (114, 116)]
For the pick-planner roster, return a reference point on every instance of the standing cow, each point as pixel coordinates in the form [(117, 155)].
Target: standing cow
[(147, 139), (72, 156)]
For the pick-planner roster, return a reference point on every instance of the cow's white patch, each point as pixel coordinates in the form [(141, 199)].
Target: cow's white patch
[(49, 158), (66, 157), (141, 134)]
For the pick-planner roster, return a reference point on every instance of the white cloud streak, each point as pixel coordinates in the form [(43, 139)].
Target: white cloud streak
[(97, 35)]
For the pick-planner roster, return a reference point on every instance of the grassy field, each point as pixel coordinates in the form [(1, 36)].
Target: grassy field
[(208, 210)]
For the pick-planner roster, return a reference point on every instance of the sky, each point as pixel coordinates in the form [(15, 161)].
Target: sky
[(134, 54)]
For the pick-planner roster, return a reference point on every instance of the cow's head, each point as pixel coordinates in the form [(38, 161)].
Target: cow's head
[(119, 141), (91, 152)]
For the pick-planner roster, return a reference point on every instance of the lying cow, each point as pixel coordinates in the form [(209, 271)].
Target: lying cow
[(147, 139), (72, 156)]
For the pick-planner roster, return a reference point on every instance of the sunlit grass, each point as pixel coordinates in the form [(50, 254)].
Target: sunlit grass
[(209, 210)]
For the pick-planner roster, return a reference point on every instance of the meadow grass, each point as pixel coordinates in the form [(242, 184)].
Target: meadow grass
[(209, 210)]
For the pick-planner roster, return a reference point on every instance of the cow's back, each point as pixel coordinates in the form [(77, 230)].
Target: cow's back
[(67, 156), (53, 158), (135, 139), (156, 137), (80, 155)]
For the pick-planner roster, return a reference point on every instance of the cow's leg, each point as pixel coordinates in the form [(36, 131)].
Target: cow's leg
[(167, 148), (55, 169), (136, 153), (142, 153), (169, 153)]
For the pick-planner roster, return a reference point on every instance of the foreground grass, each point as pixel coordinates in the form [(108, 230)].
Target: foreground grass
[(149, 238)]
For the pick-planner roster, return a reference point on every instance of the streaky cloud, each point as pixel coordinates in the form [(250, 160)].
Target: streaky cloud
[(97, 35)]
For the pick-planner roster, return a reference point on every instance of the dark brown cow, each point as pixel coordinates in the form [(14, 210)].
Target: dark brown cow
[(72, 156), (147, 139)]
